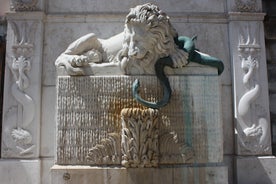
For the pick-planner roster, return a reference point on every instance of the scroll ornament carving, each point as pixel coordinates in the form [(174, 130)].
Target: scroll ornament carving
[(24, 5), (20, 66), (252, 135), (246, 5)]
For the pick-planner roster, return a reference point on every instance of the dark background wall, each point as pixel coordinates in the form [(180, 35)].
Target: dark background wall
[(2, 66), (269, 7)]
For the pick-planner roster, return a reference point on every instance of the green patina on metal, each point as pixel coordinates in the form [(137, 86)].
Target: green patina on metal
[(188, 45)]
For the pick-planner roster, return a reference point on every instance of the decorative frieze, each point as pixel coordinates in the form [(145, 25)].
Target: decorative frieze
[(26, 5), (246, 6)]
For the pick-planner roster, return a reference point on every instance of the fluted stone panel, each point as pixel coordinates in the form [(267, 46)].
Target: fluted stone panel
[(89, 107)]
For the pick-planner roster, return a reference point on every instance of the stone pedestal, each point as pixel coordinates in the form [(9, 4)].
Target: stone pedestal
[(100, 124)]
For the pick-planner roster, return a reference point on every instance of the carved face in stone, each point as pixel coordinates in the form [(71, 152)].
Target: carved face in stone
[(139, 43), (137, 38), (148, 36)]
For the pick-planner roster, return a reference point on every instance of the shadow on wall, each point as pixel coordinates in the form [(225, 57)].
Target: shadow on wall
[(256, 170), (2, 69)]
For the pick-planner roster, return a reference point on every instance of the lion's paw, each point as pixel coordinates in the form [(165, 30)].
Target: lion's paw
[(78, 61)]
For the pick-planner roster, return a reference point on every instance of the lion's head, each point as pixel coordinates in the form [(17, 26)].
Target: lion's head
[(148, 36)]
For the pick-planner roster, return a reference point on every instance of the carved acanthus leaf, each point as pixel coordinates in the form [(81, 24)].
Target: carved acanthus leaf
[(171, 151), (139, 137), (107, 152)]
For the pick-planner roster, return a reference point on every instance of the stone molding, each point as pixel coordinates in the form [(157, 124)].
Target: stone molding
[(245, 16), (27, 16)]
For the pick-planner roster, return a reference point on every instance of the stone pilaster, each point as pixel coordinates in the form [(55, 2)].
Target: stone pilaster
[(22, 93), (252, 121), (250, 91)]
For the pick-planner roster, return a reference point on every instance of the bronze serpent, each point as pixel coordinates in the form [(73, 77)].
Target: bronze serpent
[(187, 44)]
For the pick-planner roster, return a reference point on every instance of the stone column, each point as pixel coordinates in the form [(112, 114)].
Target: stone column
[(250, 87), (22, 93)]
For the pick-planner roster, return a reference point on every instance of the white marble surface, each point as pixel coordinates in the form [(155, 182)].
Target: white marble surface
[(46, 165), (20, 171), (48, 121), (59, 6), (59, 35)]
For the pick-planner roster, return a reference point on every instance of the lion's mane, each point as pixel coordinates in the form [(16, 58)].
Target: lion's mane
[(163, 35)]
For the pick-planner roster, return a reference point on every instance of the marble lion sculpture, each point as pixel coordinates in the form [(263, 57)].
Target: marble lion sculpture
[(148, 43)]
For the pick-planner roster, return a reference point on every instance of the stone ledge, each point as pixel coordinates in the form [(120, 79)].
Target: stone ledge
[(172, 175), (246, 16), (35, 15)]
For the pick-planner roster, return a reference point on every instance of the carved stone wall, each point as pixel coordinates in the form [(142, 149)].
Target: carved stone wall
[(89, 119)]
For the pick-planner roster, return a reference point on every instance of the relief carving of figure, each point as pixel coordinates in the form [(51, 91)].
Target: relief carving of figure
[(148, 43)]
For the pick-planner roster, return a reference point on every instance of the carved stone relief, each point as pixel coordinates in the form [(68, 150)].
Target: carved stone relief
[(92, 111), (24, 5), (252, 128), (246, 5), (20, 65), (100, 86), (140, 137), (142, 142), (107, 152)]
